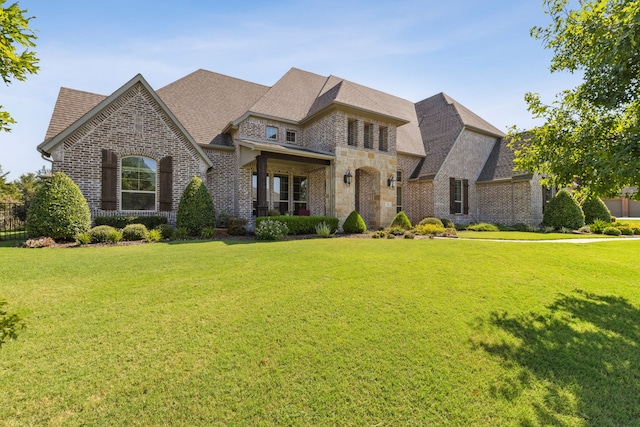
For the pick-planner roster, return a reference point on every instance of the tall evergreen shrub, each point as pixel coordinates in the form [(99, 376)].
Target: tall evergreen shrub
[(594, 208), (563, 211), (401, 220), (195, 211), (354, 224), (58, 210)]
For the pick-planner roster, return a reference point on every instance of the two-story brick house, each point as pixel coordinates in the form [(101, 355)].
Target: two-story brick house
[(309, 144)]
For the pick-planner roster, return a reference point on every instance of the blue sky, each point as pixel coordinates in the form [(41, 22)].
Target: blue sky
[(478, 52)]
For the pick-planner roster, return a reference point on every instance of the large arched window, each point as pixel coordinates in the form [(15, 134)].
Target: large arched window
[(137, 184)]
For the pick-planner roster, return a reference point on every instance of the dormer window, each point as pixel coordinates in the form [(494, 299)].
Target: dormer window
[(272, 133)]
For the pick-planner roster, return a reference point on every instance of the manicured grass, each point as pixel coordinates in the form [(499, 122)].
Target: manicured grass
[(522, 235), (324, 332)]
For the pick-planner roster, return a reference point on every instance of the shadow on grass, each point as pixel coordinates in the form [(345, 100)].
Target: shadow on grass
[(585, 351)]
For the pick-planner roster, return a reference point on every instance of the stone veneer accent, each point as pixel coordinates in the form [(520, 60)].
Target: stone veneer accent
[(134, 124)]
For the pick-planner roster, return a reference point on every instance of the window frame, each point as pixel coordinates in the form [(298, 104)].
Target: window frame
[(299, 203), (291, 136), (274, 135), (154, 182), (459, 197), (383, 138)]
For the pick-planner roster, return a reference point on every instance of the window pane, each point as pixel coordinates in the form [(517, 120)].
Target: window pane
[(300, 188), (138, 183), (138, 201), (272, 132)]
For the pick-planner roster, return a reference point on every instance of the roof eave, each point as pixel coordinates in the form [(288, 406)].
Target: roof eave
[(49, 144), (351, 108)]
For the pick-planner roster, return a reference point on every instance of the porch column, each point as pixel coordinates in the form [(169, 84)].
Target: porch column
[(263, 207)]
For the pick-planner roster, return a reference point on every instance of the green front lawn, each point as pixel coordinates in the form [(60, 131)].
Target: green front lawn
[(324, 332), (523, 235)]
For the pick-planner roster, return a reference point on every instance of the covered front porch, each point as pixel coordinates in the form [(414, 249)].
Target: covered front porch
[(283, 179)]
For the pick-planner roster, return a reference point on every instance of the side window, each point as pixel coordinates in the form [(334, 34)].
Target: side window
[(138, 183), (272, 133)]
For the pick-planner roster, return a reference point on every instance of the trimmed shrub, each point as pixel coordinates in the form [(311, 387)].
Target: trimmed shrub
[(166, 230), (271, 230), (635, 229), (563, 211), (135, 232), (401, 220), (482, 226), (83, 238), (120, 222), (236, 226), (450, 232), (101, 234), (195, 211), (594, 208), (221, 219), (58, 210), (431, 220), (611, 231), (429, 229), (302, 224), (354, 224), (524, 227), (447, 223)]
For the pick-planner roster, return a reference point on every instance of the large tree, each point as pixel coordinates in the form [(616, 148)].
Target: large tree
[(591, 132), (16, 59)]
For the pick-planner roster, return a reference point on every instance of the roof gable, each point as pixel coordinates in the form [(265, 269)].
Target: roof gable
[(49, 144)]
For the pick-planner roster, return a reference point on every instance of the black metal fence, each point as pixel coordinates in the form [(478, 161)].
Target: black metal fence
[(12, 221)]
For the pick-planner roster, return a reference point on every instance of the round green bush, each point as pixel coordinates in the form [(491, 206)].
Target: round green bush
[(401, 220), (166, 231), (101, 234), (563, 211), (195, 211), (134, 232), (594, 208), (354, 224), (429, 229), (433, 221), (58, 210), (611, 231)]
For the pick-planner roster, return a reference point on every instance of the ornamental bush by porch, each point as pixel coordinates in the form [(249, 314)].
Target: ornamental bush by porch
[(354, 224), (271, 230), (302, 224), (401, 220), (594, 208), (58, 210), (563, 211), (133, 232), (195, 211)]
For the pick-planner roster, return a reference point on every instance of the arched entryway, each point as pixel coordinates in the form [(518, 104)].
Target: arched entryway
[(367, 196)]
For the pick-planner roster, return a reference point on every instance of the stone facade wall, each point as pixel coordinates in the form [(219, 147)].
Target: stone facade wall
[(133, 125), (465, 161)]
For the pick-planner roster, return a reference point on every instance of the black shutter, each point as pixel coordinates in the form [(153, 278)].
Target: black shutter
[(109, 180), (465, 196), (166, 183), (452, 196)]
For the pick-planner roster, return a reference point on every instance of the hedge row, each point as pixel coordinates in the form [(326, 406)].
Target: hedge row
[(120, 222), (301, 224)]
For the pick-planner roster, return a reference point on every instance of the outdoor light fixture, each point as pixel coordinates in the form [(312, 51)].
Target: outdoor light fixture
[(390, 181), (347, 177)]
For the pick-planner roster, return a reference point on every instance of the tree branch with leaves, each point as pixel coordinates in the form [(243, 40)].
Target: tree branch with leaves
[(17, 60), (591, 132)]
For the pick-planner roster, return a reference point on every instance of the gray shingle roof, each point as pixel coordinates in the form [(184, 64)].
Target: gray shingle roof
[(441, 120), (70, 106), (206, 102), (499, 165)]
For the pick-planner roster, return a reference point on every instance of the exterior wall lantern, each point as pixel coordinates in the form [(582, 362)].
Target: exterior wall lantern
[(347, 177), (390, 181)]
